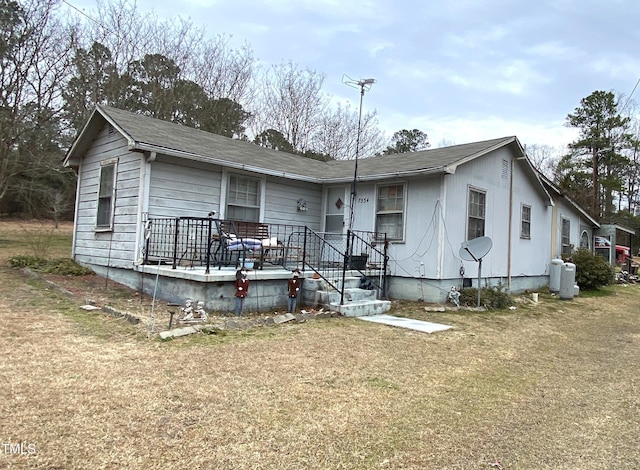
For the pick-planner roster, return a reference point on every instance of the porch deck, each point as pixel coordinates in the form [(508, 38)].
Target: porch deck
[(198, 258), (228, 273)]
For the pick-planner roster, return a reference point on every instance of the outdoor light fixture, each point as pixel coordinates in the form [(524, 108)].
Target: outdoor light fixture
[(364, 85)]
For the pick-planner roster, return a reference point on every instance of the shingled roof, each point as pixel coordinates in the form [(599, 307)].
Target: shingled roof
[(144, 133)]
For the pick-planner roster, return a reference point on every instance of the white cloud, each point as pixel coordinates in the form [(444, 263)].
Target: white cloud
[(460, 71), (553, 50), (462, 130)]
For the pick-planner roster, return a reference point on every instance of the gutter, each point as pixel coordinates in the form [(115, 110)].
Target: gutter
[(140, 146), (135, 146)]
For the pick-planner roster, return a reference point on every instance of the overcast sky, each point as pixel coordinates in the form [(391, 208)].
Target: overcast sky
[(459, 70)]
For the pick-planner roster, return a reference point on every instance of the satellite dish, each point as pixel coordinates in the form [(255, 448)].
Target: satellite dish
[(475, 250)]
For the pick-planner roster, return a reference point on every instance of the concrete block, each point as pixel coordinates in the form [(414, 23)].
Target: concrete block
[(283, 318)]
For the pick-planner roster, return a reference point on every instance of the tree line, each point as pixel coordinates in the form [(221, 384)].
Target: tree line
[(55, 67)]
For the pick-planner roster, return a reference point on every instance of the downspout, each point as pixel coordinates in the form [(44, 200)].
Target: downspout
[(441, 234), (510, 228), (554, 230)]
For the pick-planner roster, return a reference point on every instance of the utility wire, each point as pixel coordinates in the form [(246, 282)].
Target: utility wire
[(629, 97)]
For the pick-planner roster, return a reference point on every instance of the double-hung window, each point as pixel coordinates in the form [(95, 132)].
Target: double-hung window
[(243, 198), (390, 211), (566, 236), (476, 213), (106, 195), (525, 222)]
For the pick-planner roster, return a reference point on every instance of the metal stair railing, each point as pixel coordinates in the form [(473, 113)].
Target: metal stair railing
[(322, 256), (371, 262)]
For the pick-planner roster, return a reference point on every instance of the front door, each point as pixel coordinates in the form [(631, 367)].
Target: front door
[(334, 211)]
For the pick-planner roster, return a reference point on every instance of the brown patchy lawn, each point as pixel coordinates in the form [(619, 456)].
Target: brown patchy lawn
[(551, 386)]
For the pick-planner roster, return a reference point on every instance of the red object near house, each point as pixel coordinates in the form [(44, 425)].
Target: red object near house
[(622, 253)]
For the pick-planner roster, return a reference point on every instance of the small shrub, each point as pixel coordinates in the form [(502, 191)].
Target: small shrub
[(23, 261), (65, 267), (61, 266), (592, 271), (39, 240), (490, 297)]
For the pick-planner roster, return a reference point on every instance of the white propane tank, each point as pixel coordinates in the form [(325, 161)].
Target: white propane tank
[(567, 281), (554, 275)]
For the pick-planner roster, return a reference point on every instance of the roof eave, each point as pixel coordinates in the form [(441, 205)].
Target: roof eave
[(72, 158), (145, 147)]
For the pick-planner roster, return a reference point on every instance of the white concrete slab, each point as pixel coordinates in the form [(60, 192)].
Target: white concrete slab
[(417, 325)]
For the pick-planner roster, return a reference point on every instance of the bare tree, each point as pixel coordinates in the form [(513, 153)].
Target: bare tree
[(129, 35), (121, 28), (293, 103), (35, 59), (223, 72), (544, 158), (337, 134)]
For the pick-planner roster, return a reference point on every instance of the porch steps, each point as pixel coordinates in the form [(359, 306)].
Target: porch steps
[(362, 308), (357, 302)]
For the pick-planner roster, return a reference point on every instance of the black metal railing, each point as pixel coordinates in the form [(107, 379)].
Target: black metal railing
[(207, 242), (190, 241), (203, 241), (367, 253), (331, 256)]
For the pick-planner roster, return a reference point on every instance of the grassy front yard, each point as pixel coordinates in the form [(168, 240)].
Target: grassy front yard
[(550, 386)]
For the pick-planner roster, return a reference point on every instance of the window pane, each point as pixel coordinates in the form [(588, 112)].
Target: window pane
[(391, 198), (566, 236), (476, 214), (104, 212), (476, 204), (525, 231), (105, 196), (390, 211), (334, 223), (476, 228), (243, 201), (106, 180), (391, 224), (243, 191), (249, 214)]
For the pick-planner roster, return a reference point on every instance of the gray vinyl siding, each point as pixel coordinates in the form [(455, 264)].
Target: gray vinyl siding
[(281, 203), (181, 188), (108, 248)]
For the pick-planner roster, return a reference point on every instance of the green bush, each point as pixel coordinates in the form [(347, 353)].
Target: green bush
[(22, 261), (65, 267), (61, 266), (592, 271), (490, 297)]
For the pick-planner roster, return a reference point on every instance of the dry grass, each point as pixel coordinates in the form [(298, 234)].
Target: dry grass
[(552, 386)]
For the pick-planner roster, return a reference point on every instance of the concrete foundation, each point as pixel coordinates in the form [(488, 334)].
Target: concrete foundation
[(268, 288)]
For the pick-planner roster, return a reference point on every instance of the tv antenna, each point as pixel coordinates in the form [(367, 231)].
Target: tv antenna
[(364, 85), (475, 250)]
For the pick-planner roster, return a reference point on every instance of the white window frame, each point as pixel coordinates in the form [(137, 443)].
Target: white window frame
[(472, 189), (259, 206), (565, 238), (402, 211), (525, 223), (104, 194), (585, 240)]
